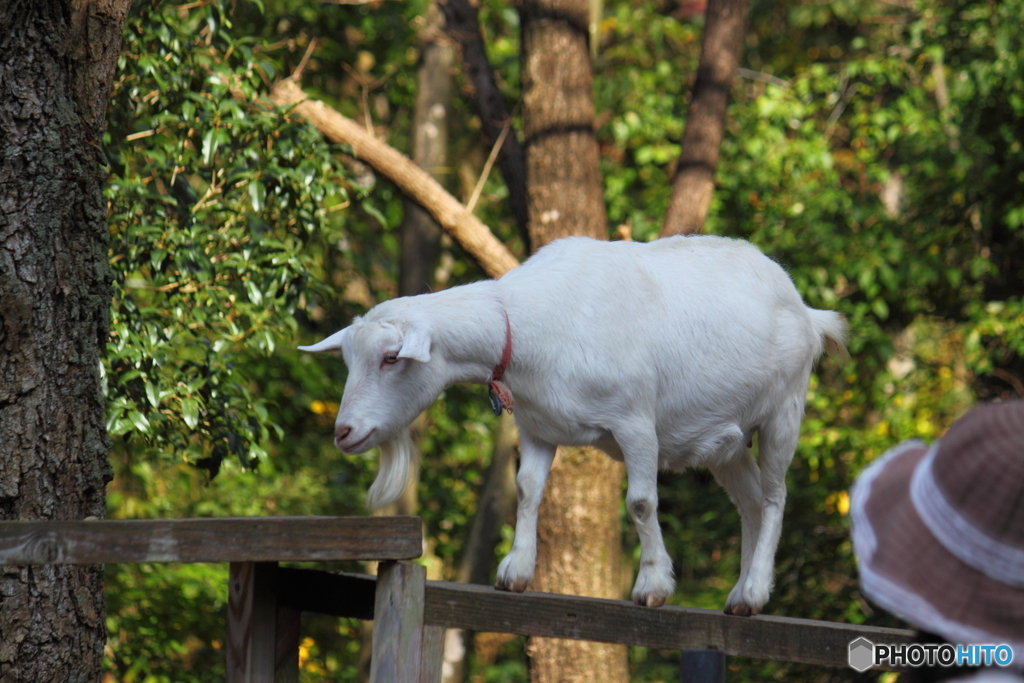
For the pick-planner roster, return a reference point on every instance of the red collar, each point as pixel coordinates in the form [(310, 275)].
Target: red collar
[(499, 394)]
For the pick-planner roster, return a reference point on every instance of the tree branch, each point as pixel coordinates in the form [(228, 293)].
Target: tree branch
[(463, 26), (705, 123), (475, 237)]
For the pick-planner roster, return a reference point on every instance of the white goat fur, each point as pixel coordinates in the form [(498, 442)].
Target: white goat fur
[(670, 354)]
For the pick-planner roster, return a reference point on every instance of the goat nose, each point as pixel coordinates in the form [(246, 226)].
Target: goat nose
[(340, 432)]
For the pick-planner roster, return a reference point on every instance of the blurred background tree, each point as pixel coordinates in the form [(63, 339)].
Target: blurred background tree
[(870, 147)]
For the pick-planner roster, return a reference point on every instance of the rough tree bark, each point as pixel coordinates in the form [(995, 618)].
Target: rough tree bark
[(579, 538), (463, 25), (694, 181), (57, 60)]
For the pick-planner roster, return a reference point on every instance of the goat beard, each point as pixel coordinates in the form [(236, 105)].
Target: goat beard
[(393, 473)]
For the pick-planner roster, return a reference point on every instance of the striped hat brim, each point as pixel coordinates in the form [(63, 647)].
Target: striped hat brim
[(905, 569)]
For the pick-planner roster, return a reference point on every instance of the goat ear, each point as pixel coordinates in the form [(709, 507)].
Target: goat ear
[(332, 343), (416, 345)]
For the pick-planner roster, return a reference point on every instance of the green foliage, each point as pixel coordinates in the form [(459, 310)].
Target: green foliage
[(227, 221), (237, 233), (642, 56), (166, 623), (214, 206)]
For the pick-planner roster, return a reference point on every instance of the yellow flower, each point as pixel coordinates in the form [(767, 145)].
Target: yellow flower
[(843, 503)]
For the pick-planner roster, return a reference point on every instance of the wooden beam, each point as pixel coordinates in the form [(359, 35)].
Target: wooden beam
[(398, 623), (480, 608), (238, 539)]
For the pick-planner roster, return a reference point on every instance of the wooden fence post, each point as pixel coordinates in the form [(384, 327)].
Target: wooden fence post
[(398, 623), (263, 638), (432, 661), (703, 666)]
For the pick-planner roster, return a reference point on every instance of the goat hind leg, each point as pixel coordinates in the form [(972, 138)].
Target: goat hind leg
[(741, 479), (516, 570), (778, 441)]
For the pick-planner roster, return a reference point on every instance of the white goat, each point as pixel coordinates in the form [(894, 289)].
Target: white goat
[(670, 354)]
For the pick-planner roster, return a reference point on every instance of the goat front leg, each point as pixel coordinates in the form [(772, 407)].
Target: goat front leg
[(516, 571), (655, 582)]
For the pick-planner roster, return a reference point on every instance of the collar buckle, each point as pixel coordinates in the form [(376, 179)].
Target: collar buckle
[(499, 394)]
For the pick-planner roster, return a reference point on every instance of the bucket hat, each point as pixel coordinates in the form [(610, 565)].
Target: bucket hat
[(938, 530)]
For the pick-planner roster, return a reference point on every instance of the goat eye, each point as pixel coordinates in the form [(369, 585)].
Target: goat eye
[(390, 358)]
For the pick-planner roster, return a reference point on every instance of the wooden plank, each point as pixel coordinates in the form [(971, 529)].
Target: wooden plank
[(235, 539), (252, 622), (398, 623), (808, 641), (432, 661), (480, 608), (703, 666)]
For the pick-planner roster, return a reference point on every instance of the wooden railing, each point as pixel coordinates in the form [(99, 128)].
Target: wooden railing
[(265, 601)]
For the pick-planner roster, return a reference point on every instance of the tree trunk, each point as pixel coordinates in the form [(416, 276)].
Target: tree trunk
[(57, 61), (565, 192), (579, 539), (463, 25), (579, 552), (694, 181), (421, 236)]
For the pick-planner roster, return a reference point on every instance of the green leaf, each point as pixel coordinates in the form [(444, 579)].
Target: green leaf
[(255, 295), (190, 411), (369, 208), (119, 427), (257, 194), (152, 394), (157, 258), (139, 420), (209, 145), (880, 308)]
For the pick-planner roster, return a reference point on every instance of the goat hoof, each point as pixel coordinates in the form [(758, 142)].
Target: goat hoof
[(511, 586), (649, 601), (741, 610)]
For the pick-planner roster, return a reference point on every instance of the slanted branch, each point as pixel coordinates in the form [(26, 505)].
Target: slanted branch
[(462, 24), (475, 237)]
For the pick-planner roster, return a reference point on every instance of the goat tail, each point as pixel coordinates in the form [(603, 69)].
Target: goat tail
[(393, 472), (830, 328)]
